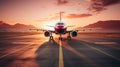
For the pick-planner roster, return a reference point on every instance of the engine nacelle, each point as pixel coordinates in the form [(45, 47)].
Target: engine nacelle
[(74, 33), (46, 34)]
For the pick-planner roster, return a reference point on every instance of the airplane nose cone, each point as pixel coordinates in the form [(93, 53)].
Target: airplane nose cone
[(60, 27)]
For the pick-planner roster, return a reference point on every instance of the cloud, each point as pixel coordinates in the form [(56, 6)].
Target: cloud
[(80, 4), (100, 5), (96, 7), (110, 2), (57, 15), (105, 2), (52, 17), (42, 20), (62, 12), (62, 2), (78, 15)]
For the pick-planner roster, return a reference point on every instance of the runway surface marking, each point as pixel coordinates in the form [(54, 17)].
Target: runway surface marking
[(15, 51), (105, 43), (61, 62), (102, 51), (84, 57)]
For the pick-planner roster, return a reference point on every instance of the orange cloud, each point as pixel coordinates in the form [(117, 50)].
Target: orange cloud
[(61, 2), (79, 4), (105, 2), (58, 13), (78, 15), (100, 5), (42, 20)]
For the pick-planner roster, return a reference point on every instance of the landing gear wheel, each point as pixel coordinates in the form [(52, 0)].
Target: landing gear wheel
[(51, 37), (60, 38), (69, 37)]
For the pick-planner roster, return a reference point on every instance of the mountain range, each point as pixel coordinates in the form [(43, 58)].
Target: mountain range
[(4, 27), (109, 25)]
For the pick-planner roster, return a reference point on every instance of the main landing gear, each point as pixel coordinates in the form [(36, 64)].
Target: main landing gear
[(69, 37)]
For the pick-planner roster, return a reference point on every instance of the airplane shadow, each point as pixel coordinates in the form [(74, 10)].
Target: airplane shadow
[(47, 54), (73, 52), (77, 54)]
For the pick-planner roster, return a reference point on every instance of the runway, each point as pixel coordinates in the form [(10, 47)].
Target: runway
[(39, 51)]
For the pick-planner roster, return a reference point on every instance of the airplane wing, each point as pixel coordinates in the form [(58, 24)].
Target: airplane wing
[(85, 29), (42, 30), (37, 29), (71, 26), (71, 30), (50, 26)]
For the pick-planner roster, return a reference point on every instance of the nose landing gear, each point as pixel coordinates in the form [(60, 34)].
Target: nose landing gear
[(51, 37), (60, 38)]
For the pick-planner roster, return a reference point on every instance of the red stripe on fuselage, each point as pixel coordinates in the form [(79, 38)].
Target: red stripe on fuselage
[(60, 30)]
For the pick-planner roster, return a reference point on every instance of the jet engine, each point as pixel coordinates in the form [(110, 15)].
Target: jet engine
[(74, 33), (46, 34)]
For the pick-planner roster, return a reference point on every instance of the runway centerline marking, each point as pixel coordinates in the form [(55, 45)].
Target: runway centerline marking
[(105, 43), (61, 62)]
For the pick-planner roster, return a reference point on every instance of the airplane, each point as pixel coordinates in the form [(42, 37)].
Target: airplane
[(60, 28)]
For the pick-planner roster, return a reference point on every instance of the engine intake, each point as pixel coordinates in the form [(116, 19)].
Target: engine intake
[(46, 34), (74, 33)]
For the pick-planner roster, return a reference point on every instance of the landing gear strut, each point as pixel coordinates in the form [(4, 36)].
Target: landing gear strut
[(51, 37), (69, 37), (60, 38)]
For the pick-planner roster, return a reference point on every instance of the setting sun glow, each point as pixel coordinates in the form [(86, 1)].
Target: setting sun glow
[(46, 12)]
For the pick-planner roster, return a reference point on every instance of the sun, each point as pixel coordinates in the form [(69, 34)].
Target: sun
[(49, 25)]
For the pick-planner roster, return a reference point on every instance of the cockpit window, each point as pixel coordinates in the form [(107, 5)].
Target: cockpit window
[(60, 23)]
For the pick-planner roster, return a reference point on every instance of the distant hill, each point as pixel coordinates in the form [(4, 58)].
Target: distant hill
[(110, 25), (4, 27)]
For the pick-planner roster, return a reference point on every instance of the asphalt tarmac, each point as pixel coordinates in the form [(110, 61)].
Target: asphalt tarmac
[(39, 51)]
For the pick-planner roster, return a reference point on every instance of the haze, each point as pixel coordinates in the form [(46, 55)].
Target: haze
[(42, 12)]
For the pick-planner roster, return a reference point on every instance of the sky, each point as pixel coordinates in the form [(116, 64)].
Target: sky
[(46, 12)]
